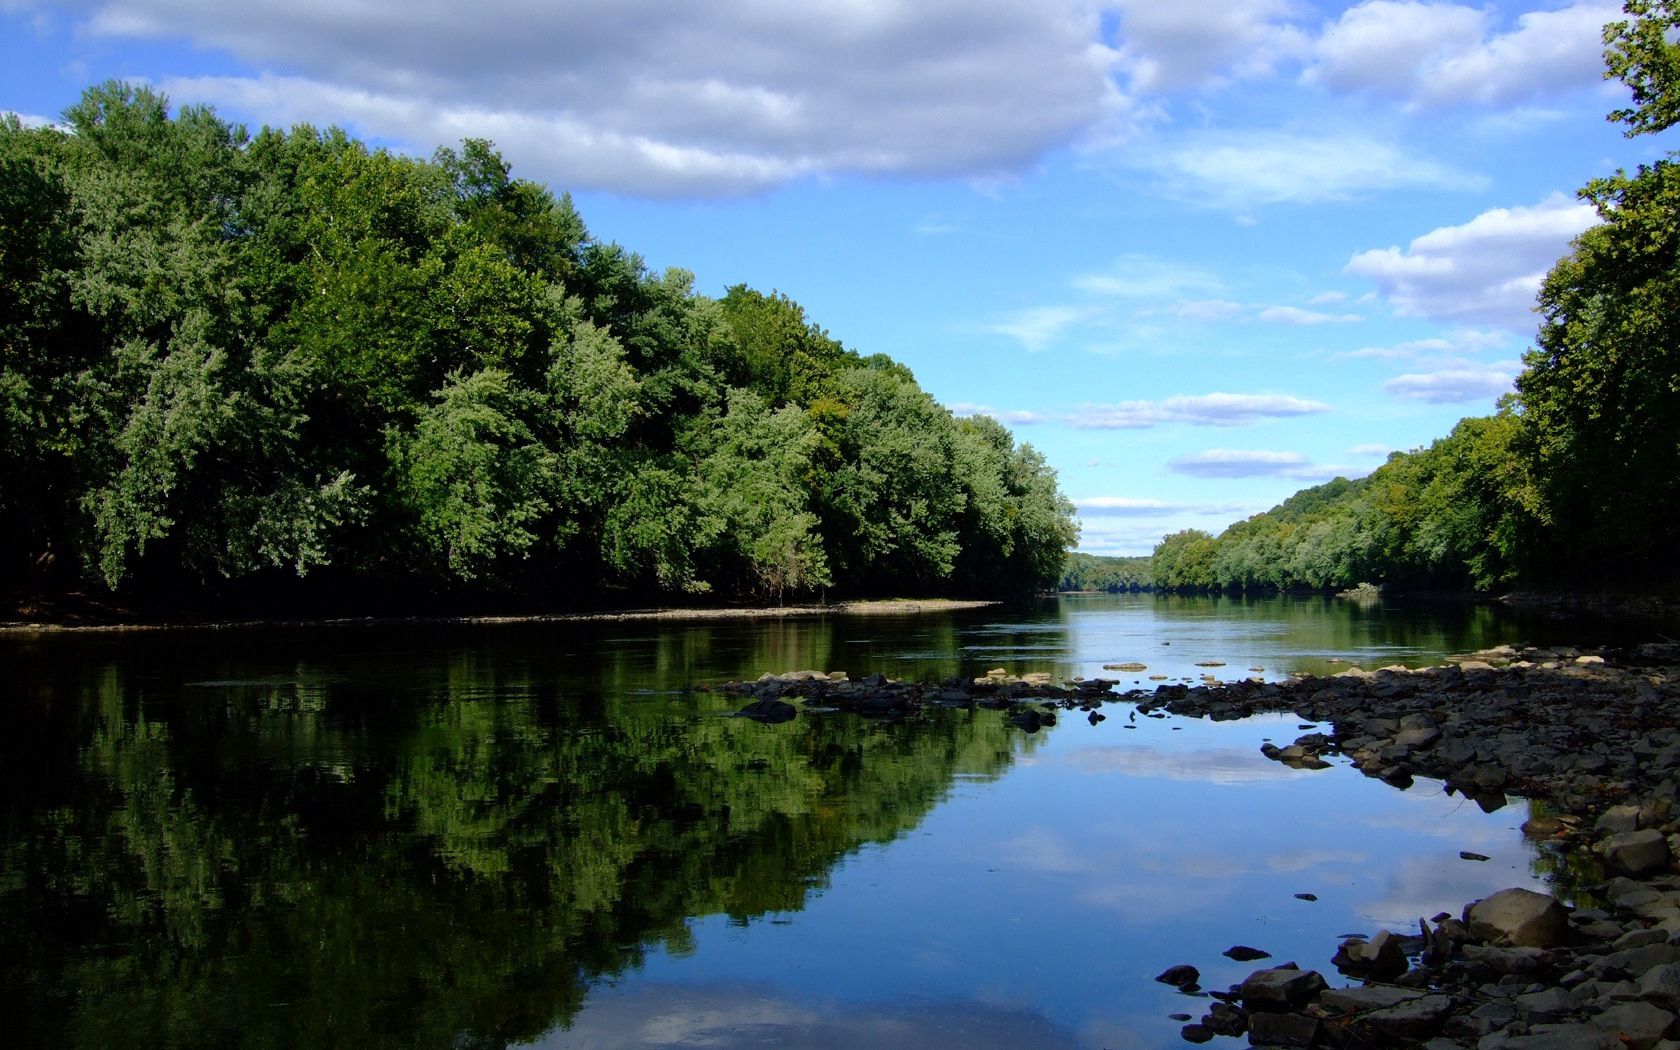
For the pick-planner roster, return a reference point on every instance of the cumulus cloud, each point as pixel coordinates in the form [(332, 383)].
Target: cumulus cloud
[(1455, 385), (1380, 451), (1170, 46), (1216, 409), (1486, 271), (1205, 310), (1297, 317), (1253, 463), (30, 120), (1240, 170), (643, 97), (1438, 54)]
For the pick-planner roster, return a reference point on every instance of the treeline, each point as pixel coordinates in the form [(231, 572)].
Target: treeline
[(1576, 481), (256, 358), (1096, 572)]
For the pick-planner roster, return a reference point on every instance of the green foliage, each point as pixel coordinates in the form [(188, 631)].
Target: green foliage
[(1643, 53), (229, 356), (1094, 572)]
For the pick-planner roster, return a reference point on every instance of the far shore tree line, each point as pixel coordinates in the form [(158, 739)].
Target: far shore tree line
[(1574, 482), (255, 361)]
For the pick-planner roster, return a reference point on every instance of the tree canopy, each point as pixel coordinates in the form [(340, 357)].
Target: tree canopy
[(257, 358)]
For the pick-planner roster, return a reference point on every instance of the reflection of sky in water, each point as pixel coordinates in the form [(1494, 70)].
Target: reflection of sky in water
[(1034, 910)]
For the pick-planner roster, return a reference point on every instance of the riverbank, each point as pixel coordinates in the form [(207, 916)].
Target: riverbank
[(1592, 735), (869, 607)]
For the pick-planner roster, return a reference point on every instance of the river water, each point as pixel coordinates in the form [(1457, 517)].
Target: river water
[(541, 835)]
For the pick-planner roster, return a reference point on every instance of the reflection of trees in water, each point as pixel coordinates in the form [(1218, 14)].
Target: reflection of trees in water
[(310, 859), (1570, 874)]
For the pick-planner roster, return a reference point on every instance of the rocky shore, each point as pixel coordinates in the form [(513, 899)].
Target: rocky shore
[(1595, 736)]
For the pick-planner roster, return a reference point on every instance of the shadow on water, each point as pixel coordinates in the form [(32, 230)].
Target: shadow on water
[(460, 836)]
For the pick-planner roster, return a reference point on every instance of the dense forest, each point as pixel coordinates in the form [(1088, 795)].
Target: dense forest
[(1575, 482), (1096, 572), (288, 360)]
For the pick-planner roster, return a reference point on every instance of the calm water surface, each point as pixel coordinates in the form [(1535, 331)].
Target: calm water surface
[(538, 835)]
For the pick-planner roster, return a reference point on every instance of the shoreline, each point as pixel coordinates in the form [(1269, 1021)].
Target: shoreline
[(862, 607), (1591, 735)]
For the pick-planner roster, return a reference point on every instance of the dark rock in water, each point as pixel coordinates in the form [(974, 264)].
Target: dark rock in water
[(1180, 975), (1243, 953), (768, 711), (1028, 720), (1196, 1033), (1226, 1019), (1381, 958), (1178, 1017), (1306, 896), (1465, 854), (1095, 716)]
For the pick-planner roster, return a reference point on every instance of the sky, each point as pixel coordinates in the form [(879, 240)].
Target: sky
[(1199, 254)]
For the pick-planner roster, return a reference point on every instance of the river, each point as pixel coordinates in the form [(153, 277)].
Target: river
[(541, 835)]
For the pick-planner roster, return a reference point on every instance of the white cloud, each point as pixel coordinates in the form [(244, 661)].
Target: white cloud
[(1440, 54), (1039, 326), (1146, 277), (1380, 451), (1460, 343), (1454, 385), (1138, 507), (1253, 463), (1243, 169), (1294, 315), (644, 97), (30, 120), (1325, 298), (1012, 417), (1206, 310), (1237, 463), (1216, 409), (1169, 46), (1486, 271)]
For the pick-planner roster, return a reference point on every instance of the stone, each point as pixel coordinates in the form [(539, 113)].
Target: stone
[(1292, 1030), (770, 712), (1412, 1019), (1518, 917), (1243, 953), (1507, 960), (1553, 1037), (1365, 999), (1546, 1006), (1617, 820), (1179, 975), (1196, 1033), (1381, 958), (1637, 1025), (1636, 852), (1661, 985), (1280, 988)]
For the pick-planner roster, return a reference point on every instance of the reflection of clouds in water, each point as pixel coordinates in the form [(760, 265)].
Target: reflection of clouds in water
[(730, 1016), (1423, 886), (1462, 821), (1218, 765), (1307, 859)]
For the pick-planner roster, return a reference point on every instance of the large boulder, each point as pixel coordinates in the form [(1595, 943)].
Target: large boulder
[(1280, 988), (1636, 852), (1518, 917)]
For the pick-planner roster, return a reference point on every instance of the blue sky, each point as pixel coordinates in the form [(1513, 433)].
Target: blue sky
[(1199, 254)]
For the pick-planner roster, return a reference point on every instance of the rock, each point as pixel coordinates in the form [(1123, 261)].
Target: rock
[(1661, 985), (1196, 1033), (1545, 1006), (1365, 999), (1553, 1037), (1465, 854), (769, 712), (1179, 975), (1412, 1019), (1617, 820), (1293, 1030), (1518, 917), (1637, 1025), (1243, 953), (1636, 852), (1306, 897), (1381, 958), (1507, 960), (1279, 988)]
